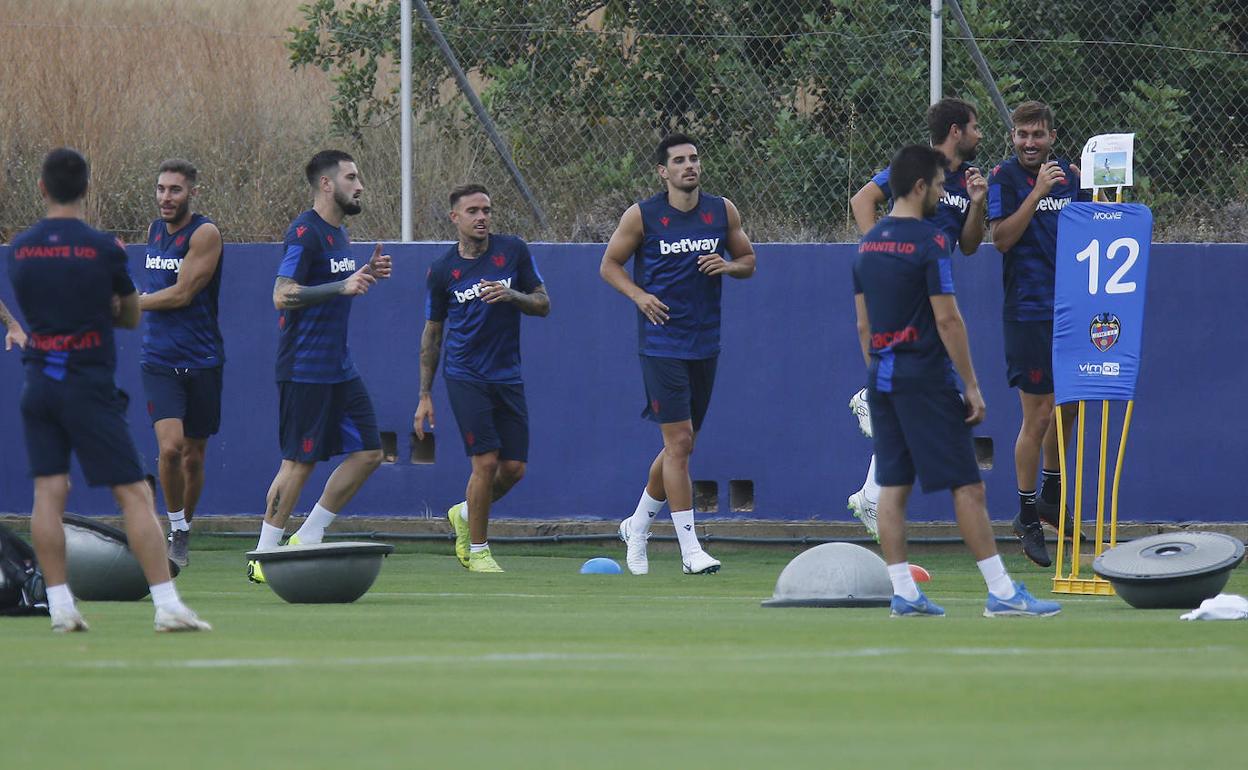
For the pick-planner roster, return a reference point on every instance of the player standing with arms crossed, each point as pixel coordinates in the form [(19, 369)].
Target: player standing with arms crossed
[(479, 289), (953, 126), (913, 338), (73, 285), (1026, 195), (677, 240), (325, 408), (183, 353)]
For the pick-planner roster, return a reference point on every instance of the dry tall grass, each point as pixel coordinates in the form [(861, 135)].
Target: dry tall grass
[(131, 82)]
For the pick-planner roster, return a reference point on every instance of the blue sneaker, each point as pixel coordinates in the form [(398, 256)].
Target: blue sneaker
[(1022, 603), (922, 606)]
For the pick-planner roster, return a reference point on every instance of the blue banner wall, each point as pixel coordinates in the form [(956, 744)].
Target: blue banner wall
[(778, 418)]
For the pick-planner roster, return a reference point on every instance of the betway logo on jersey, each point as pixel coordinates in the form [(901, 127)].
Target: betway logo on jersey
[(475, 291), (344, 265), (959, 202), (157, 262), (687, 245), (1052, 204)]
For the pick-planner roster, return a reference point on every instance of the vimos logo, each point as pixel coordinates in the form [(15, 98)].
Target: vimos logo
[(344, 265), (687, 245), (1107, 369)]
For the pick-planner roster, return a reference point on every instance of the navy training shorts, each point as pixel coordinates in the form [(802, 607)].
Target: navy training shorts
[(923, 433), (491, 417), (1029, 356), (678, 389), (190, 395), (320, 420)]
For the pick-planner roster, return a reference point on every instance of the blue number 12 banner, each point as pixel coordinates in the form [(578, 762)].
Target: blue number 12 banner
[(1098, 305)]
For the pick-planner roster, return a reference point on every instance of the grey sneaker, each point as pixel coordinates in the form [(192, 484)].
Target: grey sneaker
[(179, 547)]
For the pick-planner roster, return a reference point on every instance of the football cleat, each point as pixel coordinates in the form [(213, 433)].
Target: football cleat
[(1032, 537), (182, 619), (1021, 604), (482, 561), (699, 563), (254, 573), (865, 511), (179, 547), (68, 621), (858, 406), (463, 543), (637, 560)]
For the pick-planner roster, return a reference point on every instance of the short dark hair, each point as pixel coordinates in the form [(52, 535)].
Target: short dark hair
[(324, 161), (180, 166), (467, 189), (65, 174), (911, 164), (668, 142), (1033, 112), (947, 113)]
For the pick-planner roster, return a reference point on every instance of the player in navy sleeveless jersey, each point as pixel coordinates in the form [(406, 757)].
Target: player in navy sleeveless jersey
[(73, 285), (476, 293), (953, 127), (324, 407), (183, 353), (682, 242), (1026, 194), (913, 340)]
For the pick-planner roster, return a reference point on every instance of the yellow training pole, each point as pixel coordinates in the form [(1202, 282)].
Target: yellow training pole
[(1122, 451), (1061, 504), (1100, 480), (1074, 549)]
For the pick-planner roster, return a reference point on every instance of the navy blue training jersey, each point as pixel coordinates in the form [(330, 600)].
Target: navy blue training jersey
[(1029, 271), (950, 213), (666, 265), (64, 274), (186, 337), (901, 264), (312, 341), (482, 341)]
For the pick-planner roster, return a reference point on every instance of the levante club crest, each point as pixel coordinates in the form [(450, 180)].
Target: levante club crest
[(1104, 331)]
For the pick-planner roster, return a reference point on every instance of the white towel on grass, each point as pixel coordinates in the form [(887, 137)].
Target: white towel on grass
[(1220, 607)]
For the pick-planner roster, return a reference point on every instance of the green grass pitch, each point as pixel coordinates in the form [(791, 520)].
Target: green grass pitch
[(544, 668)]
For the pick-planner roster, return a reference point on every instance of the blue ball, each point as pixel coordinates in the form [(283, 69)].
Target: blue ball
[(601, 566)]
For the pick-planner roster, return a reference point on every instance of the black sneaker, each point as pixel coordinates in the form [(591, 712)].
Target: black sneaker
[(1032, 538), (1048, 515)]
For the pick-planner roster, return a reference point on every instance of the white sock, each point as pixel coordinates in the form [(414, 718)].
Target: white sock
[(903, 582), (643, 517), (59, 598), (870, 487), (477, 547), (165, 597), (999, 583), (177, 521), (270, 536), (683, 520), (313, 529), (463, 510)]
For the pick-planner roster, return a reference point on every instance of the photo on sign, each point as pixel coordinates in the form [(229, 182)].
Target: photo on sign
[(1109, 169)]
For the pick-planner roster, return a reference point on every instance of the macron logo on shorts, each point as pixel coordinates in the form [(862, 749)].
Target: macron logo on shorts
[(474, 292), (688, 245), (162, 263), (344, 265)]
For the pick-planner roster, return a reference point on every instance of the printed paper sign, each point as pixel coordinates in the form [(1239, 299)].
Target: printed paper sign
[(1108, 160)]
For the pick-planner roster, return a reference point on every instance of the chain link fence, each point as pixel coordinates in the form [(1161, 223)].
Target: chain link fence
[(794, 103)]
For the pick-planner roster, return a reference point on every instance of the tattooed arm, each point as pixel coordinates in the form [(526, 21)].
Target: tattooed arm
[(290, 295), (430, 353)]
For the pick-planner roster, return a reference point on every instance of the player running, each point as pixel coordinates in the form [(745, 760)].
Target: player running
[(73, 285), (325, 409), (677, 240), (953, 126), (478, 290), (1026, 195), (913, 338), (183, 353)]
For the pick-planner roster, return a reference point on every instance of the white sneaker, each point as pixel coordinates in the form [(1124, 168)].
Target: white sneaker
[(858, 406), (68, 621), (638, 562), (183, 619), (699, 563), (864, 510)]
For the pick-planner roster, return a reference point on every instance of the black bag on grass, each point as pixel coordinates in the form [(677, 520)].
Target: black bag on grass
[(22, 590)]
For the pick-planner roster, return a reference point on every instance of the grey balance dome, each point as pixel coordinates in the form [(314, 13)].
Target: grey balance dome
[(99, 564), (833, 575), (324, 573), (1174, 570)]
